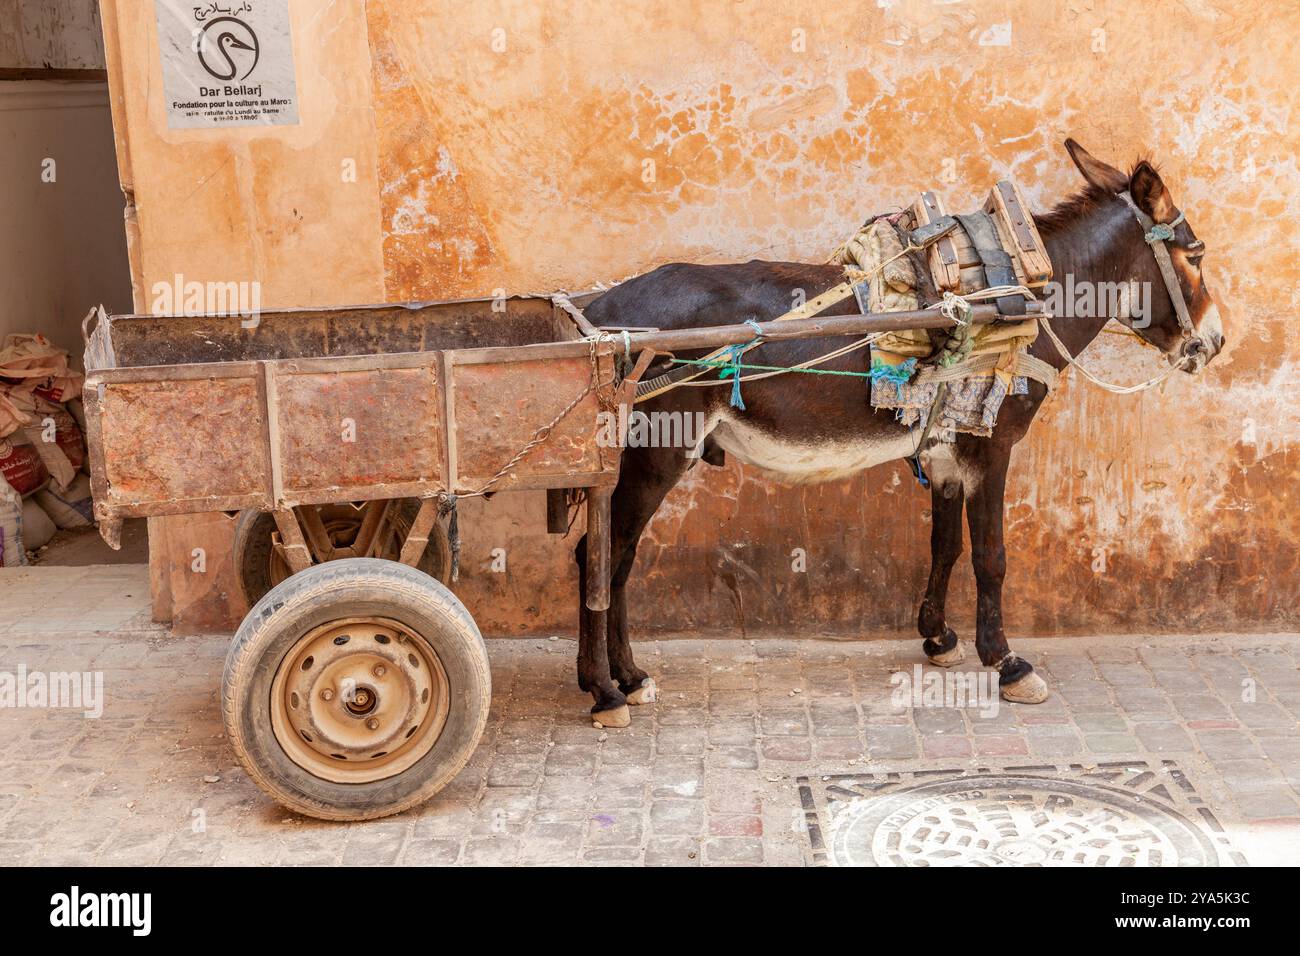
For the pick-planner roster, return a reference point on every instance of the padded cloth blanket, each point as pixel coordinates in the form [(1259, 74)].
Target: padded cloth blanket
[(971, 403)]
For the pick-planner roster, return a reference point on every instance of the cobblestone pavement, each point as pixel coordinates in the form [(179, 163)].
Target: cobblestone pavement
[(707, 775)]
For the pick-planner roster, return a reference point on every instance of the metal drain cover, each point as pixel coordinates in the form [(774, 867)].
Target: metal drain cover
[(1116, 814)]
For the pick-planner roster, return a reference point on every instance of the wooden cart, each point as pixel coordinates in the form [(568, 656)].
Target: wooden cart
[(358, 685)]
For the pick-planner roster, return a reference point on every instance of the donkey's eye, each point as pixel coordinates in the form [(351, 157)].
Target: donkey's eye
[(1195, 260)]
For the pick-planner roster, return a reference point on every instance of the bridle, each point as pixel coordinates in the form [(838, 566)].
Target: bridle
[(1157, 234)]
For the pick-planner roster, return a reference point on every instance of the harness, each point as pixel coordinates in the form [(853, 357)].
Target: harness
[(1156, 235), (1009, 298)]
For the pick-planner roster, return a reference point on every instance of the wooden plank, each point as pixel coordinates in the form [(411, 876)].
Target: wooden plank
[(295, 546), (418, 537), (271, 413), (942, 254), (450, 430), (598, 548), (1019, 234)]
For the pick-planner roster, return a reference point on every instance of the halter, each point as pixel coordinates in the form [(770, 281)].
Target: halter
[(1156, 235)]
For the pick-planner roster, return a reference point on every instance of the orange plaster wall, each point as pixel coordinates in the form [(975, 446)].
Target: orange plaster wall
[(529, 146)]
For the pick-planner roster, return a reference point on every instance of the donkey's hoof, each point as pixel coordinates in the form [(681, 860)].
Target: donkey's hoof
[(1030, 689), (645, 694), (954, 655), (619, 716)]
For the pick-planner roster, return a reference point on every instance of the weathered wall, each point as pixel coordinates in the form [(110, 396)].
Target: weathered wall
[(61, 243), (50, 34), (509, 144)]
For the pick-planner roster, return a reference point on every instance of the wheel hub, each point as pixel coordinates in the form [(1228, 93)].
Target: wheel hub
[(359, 700)]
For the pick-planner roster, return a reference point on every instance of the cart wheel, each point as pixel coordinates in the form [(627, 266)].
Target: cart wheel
[(356, 689), (261, 567)]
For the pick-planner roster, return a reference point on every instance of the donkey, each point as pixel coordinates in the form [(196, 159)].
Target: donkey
[(803, 432)]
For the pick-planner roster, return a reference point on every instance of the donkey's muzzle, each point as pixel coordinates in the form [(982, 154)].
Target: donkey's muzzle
[(1197, 352)]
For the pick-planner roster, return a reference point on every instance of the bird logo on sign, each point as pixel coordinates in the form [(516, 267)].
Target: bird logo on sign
[(228, 48)]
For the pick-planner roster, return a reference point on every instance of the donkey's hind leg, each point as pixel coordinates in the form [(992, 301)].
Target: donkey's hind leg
[(941, 645), (646, 477)]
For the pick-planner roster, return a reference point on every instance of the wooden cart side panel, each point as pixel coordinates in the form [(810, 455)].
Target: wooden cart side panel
[(499, 403), (354, 432), (174, 445)]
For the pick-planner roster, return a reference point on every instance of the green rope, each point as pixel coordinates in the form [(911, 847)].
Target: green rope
[(727, 365)]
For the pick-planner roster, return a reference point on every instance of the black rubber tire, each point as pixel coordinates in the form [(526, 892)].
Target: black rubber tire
[(353, 587), (252, 549)]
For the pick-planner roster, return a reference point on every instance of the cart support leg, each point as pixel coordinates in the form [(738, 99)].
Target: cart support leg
[(295, 545), (593, 644), (418, 538)]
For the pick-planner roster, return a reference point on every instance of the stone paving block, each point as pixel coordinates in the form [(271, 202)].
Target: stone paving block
[(787, 749), (1226, 744), (1111, 743), (677, 777), (1053, 740), (1007, 745), (614, 827), (898, 742), (516, 770), (496, 850), (733, 851), (1101, 723), (1164, 737), (672, 851), (676, 818), (571, 760), (431, 853), (731, 758), (783, 722), (939, 747)]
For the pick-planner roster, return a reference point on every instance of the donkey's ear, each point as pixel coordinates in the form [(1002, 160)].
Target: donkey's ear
[(1150, 194), (1099, 174)]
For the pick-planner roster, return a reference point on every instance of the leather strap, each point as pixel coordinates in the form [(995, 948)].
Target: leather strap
[(998, 269), (1156, 233)]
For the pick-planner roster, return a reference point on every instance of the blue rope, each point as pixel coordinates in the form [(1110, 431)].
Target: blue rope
[(734, 352), (898, 375)]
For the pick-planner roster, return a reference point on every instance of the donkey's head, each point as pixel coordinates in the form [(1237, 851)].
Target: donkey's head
[(1182, 319)]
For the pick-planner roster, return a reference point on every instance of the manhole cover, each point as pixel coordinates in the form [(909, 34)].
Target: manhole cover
[(1118, 814)]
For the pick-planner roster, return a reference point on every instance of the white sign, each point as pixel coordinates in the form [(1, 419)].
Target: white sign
[(227, 63)]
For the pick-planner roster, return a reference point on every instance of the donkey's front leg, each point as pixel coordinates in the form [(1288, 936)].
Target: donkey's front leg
[(941, 645), (984, 507)]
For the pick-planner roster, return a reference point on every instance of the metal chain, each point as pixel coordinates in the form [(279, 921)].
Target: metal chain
[(606, 397)]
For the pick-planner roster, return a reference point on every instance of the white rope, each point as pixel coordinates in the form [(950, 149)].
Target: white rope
[(1115, 389), (810, 363)]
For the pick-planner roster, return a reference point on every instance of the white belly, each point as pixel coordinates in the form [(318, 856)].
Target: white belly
[(808, 461)]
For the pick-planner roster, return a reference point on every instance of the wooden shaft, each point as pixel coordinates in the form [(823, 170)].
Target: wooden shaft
[(671, 340), (598, 548), (821, 327)]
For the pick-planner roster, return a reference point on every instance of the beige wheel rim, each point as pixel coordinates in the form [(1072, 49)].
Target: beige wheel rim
[(359, 700)]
